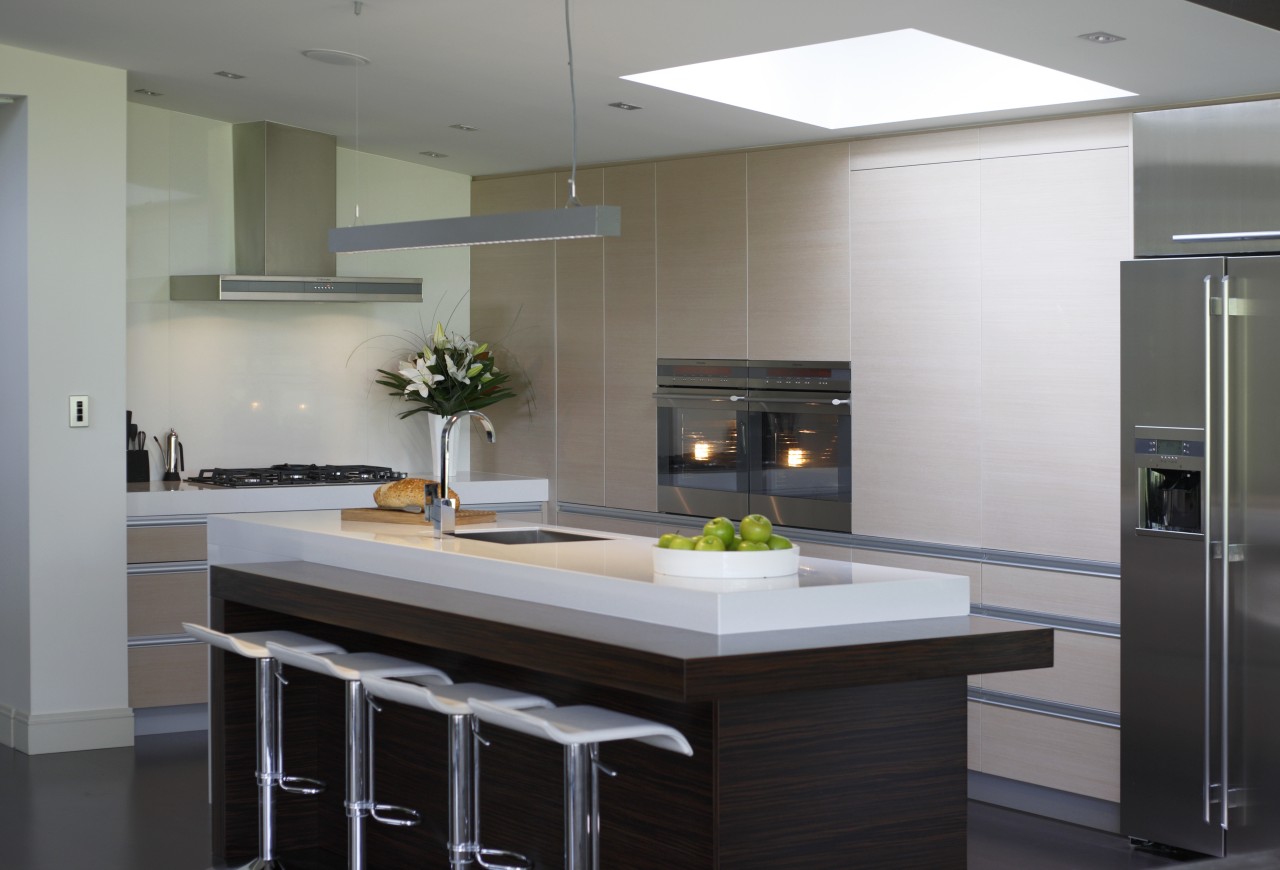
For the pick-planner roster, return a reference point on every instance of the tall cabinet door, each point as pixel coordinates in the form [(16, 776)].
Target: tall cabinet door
[(1170, 749), (1254, 282)]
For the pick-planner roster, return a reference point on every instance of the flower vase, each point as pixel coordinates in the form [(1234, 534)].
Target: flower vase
[(435, 431)]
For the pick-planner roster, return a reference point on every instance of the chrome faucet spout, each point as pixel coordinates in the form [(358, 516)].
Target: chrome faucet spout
[(442, 511)]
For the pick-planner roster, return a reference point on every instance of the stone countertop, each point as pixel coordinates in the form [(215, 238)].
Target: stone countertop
[(160, 499), (611, 576)]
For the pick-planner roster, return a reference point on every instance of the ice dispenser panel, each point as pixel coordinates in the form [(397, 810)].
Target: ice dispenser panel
[(1170, 467)]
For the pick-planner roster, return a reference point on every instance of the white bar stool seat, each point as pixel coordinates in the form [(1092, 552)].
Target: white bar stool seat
[(464, 756), (269, 773), (351, 668), (581, 729)]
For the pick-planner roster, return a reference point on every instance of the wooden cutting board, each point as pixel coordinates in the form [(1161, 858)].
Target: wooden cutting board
[(381, 515)]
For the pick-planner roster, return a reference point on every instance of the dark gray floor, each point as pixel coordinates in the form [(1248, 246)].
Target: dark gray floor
[(146, 809)]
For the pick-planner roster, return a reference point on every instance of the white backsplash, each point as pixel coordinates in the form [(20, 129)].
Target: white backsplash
[(259, 383)]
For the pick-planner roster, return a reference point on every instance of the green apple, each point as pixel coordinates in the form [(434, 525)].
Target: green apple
[(709, 542), (665, 541), (720, 527), (747, 546), (736, 543), (756, 528), (777, 542), (680, 542)]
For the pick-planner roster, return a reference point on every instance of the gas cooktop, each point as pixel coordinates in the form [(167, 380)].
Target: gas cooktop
[(296, 475)]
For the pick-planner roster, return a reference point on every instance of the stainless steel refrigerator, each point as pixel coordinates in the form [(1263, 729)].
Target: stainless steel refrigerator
[(1200, 552)]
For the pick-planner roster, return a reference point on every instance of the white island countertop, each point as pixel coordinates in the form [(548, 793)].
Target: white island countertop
[(158, 499), (610, 576)]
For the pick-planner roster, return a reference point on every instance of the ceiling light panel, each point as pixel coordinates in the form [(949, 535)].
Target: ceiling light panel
[(902, 75)]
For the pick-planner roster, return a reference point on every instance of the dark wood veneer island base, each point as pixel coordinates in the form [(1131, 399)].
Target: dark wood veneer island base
[(841, 747)]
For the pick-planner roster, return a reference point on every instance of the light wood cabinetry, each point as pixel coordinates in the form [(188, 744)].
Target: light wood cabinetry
[(916, 326), (1081, 596), (1085, 673), (702, 257), (513, 305), (167, 585), (798, 253), (630, 338), (579, 358), (1054, 229)]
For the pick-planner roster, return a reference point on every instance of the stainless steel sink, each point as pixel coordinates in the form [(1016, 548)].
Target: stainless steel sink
[(525, 536)]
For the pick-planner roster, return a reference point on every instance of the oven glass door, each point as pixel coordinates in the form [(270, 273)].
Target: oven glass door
[(702, 454), (802, 463)]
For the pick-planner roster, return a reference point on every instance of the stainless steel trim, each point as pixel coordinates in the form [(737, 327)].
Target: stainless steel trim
[(167, 520), (1048, 620), (1166, 533), (738, 398), (161, 640), (1225, 665), (1206, 789), (1056, 709), (138, 568), (1226, 237), (770, 400)]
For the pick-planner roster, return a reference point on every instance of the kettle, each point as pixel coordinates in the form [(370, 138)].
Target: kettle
[(171, 456)]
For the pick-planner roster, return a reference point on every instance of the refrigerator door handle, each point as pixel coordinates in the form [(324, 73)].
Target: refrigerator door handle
[(1224, 687), (1210, 549)]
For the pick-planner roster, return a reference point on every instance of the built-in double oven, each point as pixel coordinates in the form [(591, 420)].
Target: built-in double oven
[(770, 437)]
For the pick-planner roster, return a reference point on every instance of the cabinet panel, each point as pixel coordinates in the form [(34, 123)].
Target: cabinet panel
[(1057, 753), (580, 352), (630, 339), (943, 146), (1085, 672), (702, 257), (1078, 595), (513, 307), (167, 543), (160, 603), (798, 253), (916, 333), (1054, 228), (1067, 134), (163, 676)]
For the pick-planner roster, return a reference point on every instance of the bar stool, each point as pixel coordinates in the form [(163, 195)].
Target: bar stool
[(581, 730), (351, 668), (270, 759), (464, 756)]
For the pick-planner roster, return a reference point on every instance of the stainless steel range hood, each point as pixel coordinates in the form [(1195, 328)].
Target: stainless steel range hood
[(285, 182)]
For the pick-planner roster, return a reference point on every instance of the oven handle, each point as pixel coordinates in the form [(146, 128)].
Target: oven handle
[(773, 401)]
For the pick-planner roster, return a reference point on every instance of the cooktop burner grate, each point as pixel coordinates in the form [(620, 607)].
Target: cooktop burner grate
[(296, 475)]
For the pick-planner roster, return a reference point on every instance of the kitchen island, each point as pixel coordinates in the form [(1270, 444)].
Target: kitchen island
[(822, 741)]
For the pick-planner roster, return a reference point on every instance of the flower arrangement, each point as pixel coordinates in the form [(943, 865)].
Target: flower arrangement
[(450, 374)]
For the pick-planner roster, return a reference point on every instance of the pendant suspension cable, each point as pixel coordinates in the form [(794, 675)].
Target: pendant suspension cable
[(573, 112), (359, 5)]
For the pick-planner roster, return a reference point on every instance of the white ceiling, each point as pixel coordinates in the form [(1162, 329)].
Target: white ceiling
[(501, 65)]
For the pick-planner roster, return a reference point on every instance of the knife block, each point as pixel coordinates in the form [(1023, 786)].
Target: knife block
[(137, 466)]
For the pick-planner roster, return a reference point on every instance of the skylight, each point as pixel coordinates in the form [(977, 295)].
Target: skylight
[(902, 75)]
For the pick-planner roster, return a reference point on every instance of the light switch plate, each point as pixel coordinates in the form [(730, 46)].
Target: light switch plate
[(78, 412)]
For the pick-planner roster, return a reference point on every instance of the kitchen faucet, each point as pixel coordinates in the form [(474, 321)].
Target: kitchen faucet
[(442, 512)]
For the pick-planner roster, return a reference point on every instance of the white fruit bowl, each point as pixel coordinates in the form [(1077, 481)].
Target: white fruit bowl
[(714, 563)]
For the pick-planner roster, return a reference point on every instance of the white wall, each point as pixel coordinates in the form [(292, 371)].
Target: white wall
[(62, 584), (258, 383)]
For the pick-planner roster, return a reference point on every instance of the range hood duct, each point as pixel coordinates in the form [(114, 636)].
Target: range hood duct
[(285, 185)]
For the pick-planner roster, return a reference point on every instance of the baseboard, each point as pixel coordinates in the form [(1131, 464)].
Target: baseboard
[(1049, 802), (170, 720), (42, 733)]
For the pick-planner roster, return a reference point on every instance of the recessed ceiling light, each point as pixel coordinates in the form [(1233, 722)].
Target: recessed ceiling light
[(333, 56), (147, 93), (432, 154), (466, 128), (228, 75), (902, 75), (1101, 37), (628, 106)]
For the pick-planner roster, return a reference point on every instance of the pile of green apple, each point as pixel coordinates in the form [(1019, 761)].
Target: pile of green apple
[(754, 533)]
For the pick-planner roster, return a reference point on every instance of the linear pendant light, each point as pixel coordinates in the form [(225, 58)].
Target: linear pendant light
[(574, 221), (571, 222)]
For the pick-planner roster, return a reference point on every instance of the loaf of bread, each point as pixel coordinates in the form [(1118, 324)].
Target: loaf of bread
[(410, 492)]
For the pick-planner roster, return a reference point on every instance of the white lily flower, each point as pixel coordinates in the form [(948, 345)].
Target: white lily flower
[(457, 374)]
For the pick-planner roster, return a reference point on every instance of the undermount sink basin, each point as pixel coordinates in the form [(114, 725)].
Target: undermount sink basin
[(525, 536)]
